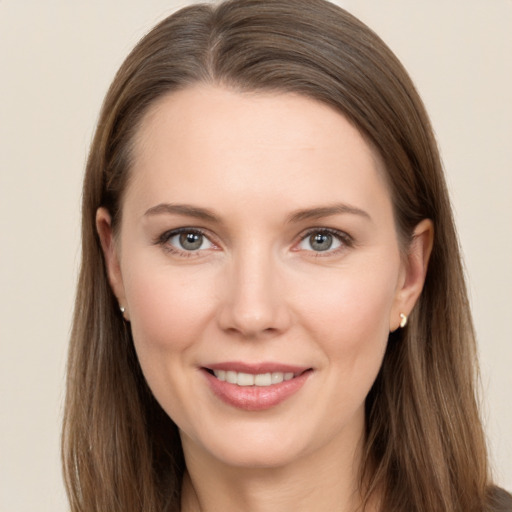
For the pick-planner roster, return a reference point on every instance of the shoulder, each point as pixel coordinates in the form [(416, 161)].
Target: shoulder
[(498, 500)]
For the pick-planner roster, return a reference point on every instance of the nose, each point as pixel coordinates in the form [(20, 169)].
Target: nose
[(253, 303)]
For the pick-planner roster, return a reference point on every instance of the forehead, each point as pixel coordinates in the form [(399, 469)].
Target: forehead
[(298, 120), (251, 145)]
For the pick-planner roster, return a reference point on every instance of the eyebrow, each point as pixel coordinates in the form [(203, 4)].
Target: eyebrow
[(326, 211), (297, 216), (182, 209)]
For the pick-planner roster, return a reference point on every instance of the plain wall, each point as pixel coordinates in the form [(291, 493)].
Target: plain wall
[(57, 59)]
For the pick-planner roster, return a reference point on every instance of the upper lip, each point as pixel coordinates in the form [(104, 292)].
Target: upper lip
[(257, 368)]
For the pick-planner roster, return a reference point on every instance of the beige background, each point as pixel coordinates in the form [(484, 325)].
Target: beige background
[(57, 58)]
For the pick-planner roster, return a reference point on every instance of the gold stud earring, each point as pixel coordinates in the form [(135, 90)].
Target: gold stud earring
[(403, 320)]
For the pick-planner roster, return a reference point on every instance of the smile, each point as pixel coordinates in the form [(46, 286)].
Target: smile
[(255, 387), (248, 379)]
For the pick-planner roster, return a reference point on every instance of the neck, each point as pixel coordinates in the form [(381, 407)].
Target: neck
[(325, 481)]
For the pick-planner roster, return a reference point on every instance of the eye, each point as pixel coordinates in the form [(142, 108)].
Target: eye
[(323, 240), (186, 239)]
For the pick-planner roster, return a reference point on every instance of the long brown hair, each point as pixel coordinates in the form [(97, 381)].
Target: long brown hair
[(425, 447)]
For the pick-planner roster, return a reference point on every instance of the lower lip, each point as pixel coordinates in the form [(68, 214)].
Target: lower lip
[(255, 398)]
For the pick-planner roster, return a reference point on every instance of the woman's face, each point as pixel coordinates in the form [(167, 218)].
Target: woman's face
[(259, 266)]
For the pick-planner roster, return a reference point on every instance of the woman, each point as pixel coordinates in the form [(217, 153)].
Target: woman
[(271, 313)]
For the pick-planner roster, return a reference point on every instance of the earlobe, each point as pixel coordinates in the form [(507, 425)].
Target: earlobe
[(111, 255), (414, 272)]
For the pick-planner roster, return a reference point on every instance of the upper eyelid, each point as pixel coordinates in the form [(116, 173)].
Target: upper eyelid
[(345, 237), (346, 240), (322, 229), (166, 235), (163, 242), (186, 229)]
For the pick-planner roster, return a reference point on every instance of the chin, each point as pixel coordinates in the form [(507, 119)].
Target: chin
[(257, 457), (257, 446)]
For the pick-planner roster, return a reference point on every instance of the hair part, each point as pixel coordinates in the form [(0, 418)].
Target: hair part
[(425, 446)]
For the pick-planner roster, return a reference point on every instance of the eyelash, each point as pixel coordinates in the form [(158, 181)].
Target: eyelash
[(344, 238), (163, 240), (346, 241)]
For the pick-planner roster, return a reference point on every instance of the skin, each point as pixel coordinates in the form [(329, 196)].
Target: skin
[(257, 290)]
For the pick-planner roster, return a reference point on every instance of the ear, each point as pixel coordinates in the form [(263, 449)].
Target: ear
[(413, 272), (111, 254)]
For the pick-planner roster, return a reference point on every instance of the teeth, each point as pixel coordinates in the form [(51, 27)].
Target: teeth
[(245, 379), (231, 377), (277, 377), (248, 379), (263, 379)]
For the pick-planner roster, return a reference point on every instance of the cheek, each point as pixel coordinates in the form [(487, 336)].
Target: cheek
[(353, 306), (168, 307), (169, 310), (349, 315)]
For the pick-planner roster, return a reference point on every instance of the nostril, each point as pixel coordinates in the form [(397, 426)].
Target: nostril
[(252, 317)]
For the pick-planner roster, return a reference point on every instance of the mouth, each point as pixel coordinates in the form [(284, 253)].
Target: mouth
[(255, 387), (250, 379)]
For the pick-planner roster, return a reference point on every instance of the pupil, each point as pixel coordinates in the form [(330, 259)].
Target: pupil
[(191, 241), (321, 241)]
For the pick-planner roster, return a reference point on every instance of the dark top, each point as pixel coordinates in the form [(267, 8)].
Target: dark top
[(499, 500)]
